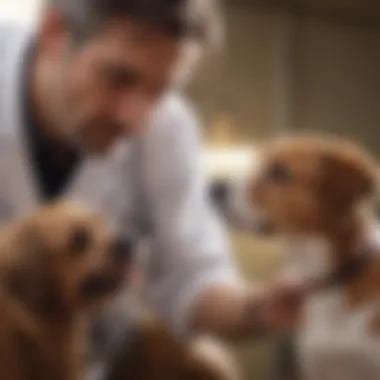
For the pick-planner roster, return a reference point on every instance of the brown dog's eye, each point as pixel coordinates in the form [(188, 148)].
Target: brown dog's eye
[(278, 173), (80, 241)]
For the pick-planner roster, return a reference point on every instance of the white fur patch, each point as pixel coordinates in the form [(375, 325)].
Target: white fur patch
[(335, 342), (309, 257)]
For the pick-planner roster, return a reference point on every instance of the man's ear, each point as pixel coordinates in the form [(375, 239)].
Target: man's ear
[(30, 278), (347, 178)]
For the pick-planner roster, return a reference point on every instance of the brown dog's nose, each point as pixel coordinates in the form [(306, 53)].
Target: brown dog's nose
[(122, 250), (219, 192)]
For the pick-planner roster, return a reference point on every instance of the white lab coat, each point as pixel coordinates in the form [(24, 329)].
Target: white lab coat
[(155, 180)]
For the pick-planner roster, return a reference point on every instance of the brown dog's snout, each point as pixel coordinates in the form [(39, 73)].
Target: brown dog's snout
[(123, 249)]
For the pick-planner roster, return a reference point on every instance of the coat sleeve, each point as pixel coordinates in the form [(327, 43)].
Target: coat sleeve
[(190, 247)]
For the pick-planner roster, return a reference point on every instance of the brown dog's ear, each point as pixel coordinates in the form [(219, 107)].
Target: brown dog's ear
[(30, 278), (347, 178)]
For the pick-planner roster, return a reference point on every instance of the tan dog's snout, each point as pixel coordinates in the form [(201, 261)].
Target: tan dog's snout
[(118, 257), (122, 250), (118, 250)]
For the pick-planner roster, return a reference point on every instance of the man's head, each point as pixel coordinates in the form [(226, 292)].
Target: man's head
[(102, 64)]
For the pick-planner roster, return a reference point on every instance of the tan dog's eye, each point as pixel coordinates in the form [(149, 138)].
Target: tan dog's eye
[(278, 173), (80, 240)]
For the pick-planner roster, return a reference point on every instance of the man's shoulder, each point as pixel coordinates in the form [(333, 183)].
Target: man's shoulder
[(171, 143), (174, 118), (175, 103)]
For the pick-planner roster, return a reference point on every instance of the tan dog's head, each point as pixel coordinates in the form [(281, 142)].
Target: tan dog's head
[(62, 259)]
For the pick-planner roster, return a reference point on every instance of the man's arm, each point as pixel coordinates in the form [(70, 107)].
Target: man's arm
[(251, 313), (194, 283)]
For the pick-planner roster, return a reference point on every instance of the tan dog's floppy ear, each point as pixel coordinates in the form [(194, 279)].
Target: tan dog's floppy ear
[(30, 279), (348, 177)]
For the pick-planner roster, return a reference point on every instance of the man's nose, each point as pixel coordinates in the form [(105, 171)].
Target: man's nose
[(132, 109)]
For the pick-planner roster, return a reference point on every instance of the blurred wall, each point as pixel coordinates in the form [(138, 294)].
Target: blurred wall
[(20, 11), (301, 73), (337, 85), (241, 83)]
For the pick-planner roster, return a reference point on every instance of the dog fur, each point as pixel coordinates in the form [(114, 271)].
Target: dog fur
[(53, 265), (157, 355)]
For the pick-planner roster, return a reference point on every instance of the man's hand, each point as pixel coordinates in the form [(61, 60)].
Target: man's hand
[(248, 313), (277, 308)]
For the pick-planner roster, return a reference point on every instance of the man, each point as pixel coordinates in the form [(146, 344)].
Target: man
[(88, 111)]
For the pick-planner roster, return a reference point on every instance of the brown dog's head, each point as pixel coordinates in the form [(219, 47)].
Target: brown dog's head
[(303, 186), (311, 186), (63, 259)]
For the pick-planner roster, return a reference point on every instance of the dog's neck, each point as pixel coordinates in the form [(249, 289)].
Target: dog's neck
[(318, 256), (351, 237)]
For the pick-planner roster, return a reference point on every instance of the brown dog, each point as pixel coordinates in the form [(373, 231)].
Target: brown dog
[(56, 266), (315, 194)]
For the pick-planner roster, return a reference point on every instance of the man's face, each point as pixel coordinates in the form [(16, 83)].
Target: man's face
[(103, 88)]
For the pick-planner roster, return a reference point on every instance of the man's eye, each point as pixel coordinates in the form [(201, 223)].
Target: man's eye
[(119, 78), (278, 173), (122, 80)]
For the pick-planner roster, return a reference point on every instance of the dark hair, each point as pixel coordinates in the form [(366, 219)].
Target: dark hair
[(177, 18)]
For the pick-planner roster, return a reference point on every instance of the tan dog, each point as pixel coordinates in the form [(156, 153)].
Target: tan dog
[(55, 266), (314, 195)]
